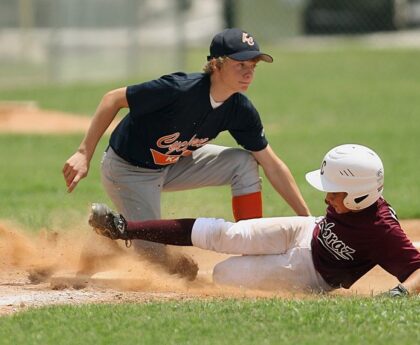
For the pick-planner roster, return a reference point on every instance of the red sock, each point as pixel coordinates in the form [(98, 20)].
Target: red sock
[(175, 231), (247, 206)]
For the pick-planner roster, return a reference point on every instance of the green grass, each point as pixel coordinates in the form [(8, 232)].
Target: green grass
[(318, 100), (75, 98), (230, 321), (32, 186), (309, 102)]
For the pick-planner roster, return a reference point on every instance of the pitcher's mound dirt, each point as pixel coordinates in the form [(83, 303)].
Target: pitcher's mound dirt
[(27, 118)]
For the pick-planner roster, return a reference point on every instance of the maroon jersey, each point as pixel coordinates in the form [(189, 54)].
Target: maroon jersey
[(346, 246)]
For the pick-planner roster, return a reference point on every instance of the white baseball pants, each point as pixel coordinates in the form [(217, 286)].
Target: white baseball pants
[(274, 253)]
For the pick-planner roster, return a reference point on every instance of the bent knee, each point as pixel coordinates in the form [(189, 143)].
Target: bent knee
[(245, 177), (241, 158)]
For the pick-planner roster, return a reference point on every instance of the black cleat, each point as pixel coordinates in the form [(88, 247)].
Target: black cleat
[(107, 222)]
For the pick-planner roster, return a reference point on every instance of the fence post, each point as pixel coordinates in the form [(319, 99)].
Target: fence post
[(182, 6), (229, 13)]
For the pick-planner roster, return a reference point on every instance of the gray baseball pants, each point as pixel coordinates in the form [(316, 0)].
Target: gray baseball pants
[(136, 191)]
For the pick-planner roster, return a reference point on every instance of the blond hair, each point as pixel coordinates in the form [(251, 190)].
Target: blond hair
[(214, 63)]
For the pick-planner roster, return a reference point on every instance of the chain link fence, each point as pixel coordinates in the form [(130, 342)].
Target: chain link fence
[(276, 20), (64, 41)]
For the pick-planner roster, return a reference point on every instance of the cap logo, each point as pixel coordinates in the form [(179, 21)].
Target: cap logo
[(324, 163), (247, 39)]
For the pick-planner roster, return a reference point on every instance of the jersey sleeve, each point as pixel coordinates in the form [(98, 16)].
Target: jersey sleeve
[(151, 96), (397, 254), (246, 127)]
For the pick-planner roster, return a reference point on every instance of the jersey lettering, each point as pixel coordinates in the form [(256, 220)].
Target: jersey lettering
[(332, 243), (180, 148)]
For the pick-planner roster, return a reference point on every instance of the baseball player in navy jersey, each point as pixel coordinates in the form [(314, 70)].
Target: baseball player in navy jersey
[(359, 231), (163, 143)]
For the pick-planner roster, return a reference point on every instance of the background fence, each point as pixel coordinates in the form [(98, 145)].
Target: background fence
[(64, 41)]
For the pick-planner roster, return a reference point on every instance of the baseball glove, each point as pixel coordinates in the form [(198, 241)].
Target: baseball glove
[(398, 291)]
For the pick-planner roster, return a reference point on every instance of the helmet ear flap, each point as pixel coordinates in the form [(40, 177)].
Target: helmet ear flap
[(359, 202), (354, 203), (359, 199)]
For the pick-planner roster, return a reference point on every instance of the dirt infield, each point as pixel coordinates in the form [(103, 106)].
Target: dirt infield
[(26, 117), (27, 262)]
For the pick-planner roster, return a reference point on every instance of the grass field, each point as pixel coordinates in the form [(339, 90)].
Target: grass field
[(265, 321), (309, 101)]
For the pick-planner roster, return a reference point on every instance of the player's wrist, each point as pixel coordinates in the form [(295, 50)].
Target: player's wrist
[(85, 152)]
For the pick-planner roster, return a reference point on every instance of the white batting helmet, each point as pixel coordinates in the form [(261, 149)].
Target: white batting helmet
[(354, 169)]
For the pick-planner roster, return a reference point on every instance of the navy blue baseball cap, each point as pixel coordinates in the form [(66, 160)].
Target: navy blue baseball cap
[(236, 44)]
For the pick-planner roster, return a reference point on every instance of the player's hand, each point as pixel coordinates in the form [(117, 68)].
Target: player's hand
[(75, 168), (398, 291)]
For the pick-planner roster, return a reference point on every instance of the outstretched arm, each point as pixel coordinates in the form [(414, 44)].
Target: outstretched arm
[(412, 283), (77, 166), (282, 180), (410, 286)]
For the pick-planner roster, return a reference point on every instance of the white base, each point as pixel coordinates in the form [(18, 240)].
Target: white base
[(62, 280)]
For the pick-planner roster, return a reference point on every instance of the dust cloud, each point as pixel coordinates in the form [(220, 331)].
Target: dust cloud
[(34, 258), (42, 255)]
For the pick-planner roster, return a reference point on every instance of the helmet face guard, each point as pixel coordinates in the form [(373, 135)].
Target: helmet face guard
[(353, 169)]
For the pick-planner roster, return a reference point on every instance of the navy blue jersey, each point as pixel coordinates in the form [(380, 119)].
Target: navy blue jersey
[(172, 116)]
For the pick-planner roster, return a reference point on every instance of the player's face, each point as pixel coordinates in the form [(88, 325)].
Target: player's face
[(238, 75), (336, 200)]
